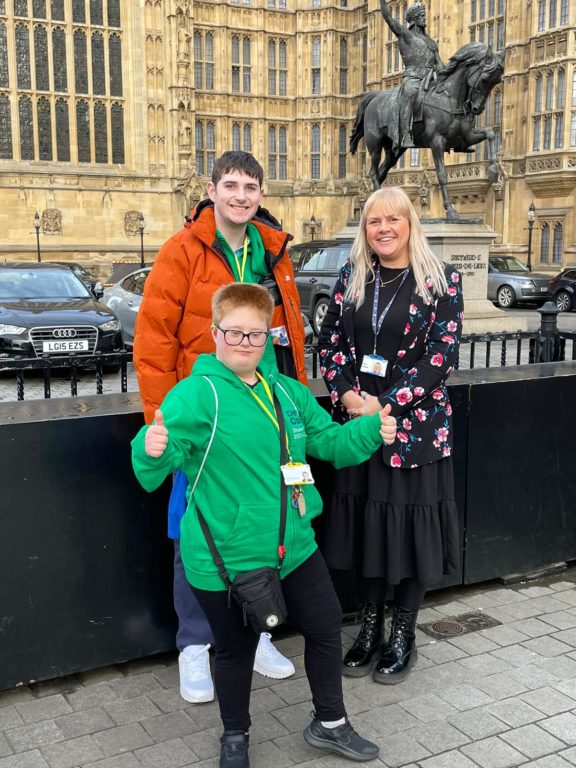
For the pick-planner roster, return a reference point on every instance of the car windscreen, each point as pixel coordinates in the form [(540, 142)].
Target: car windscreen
[(40, 284), (508, 264)]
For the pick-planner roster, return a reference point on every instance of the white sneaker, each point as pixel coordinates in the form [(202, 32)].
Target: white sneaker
[(196, 684), (270, 662)]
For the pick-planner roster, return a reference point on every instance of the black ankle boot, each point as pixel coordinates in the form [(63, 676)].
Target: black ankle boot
[(399, 654), (358, 661), (234, 750)]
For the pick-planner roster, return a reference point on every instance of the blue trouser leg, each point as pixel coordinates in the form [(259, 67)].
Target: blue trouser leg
[(193, 627)]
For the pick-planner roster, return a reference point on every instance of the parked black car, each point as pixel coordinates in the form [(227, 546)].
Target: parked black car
[(83, 274), (46, 310), (562, 289), (316, 267)]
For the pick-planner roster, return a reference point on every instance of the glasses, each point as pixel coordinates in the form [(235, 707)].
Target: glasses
[(234, 338)]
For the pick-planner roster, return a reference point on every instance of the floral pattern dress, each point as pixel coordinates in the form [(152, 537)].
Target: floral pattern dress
[(394, 516)]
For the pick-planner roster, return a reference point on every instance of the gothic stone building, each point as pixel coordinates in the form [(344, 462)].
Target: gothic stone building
[(110, 109)]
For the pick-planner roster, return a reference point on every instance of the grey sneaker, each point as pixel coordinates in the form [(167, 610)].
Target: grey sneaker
[(344, 740)]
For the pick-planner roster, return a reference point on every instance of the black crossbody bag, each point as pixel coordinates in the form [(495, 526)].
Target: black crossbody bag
[(258, 592)]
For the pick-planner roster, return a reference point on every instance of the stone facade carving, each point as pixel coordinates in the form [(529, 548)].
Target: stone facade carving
[(52, 221), (132, 223)]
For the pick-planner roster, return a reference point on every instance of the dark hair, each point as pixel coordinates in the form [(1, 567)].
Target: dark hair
[(237, 161)]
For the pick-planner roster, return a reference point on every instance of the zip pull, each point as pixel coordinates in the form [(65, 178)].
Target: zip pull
[(244, 609)]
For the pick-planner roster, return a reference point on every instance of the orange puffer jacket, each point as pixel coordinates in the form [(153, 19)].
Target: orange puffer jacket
[(174, 320)]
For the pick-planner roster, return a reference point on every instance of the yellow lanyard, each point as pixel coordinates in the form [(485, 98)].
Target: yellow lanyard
[(271, 414), (241, 268)]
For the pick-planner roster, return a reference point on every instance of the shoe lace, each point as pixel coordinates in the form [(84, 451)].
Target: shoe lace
[(197, 664), (265, 647)]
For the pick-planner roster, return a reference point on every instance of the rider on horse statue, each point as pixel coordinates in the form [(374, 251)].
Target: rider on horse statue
[(421, 61)]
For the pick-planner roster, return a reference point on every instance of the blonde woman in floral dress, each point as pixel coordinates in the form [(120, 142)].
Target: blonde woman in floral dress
[(391, 336)]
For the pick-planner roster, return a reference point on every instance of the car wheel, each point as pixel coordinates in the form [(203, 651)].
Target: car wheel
[(506, 297), (563, 301), (319, 314)]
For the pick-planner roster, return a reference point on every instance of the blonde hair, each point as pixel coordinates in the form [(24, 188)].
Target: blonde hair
[(235, 295), (427, 268)]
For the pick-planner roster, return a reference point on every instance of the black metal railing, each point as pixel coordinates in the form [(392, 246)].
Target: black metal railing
[(73, 365), (484, 350)]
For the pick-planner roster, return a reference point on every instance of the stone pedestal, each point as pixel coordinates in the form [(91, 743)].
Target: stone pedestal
[(466, 245)]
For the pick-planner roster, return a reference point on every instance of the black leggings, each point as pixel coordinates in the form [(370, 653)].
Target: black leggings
[(315, 611)]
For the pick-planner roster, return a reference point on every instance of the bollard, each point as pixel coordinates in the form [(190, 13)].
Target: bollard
[(547, 346)]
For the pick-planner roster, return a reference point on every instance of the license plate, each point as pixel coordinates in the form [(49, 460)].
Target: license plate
[(543, 289), (66, 345)]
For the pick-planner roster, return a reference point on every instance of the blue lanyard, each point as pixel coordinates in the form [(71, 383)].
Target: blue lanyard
[(377, 321)]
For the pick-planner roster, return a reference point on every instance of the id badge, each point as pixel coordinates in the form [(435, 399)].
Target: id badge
[(280, 336), (374, 364), (297, 474)]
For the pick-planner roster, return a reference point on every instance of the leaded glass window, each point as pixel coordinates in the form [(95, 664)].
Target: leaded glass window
[(564, 11), (23, 57), (39, 9), (235, 137), (283, 69), (283, 149), (57, 10), (98, 70), (26, 128), (552, 14), (557, 243), (80, 63), (3, 7), (211, 147), (559, 132), (209, 57), (96, 12), (537, 130), (44, 129), (41, 58), (100, 133), (113, 13), (115, 64), (59, 60), (20, 7), (315, 153), (272, 67), (83, 131), (199, 143), (4, 76), (197, 59), (549, 90), (547, 131), (538, 95), (343, 65), (272, 152), (118, 134), (5, 128), (561, 89), (79, 11), (342, 149), (545, 243), (62, 131), (247, 138)]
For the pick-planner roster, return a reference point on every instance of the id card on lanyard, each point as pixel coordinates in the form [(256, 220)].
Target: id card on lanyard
[(375, 364)]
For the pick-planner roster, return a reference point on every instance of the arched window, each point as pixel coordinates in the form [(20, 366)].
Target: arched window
[(41, 58), (247, 138), (100, 133), (115, 65), (272, 67), (236, 137), (283, 152), (59, 59), (272, 160), (316, 63), (98, 71), (545, 243), (283, 68), (209, 60), (118, 134), (558, 243), (23, 57), (4, 72), (560, 89), (199, 144), (315, 152), (83, 131), (57, 10), (79, 11), (44, 129), (39, 9), (235, 63), (198, 71), (26, 128), (343, 65), (538, 95), (246, 68), (114, 13), (5, 128), (80, 63), (62, 131), (96, 12), (210, 147)]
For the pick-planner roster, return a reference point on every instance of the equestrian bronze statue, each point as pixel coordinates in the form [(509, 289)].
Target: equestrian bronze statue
[(435, 107)]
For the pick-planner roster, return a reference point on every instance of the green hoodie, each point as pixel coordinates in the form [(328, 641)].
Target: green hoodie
[(239, 489)]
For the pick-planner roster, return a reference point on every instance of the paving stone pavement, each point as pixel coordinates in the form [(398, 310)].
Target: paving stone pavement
[(496, 698)]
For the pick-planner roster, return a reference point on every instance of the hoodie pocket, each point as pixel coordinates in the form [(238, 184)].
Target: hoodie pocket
[(254, 537)]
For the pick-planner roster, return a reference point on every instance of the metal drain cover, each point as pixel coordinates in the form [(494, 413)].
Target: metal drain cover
[(452, 626)]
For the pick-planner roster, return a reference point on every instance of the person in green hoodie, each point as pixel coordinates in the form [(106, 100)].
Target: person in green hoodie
[(219, 426)]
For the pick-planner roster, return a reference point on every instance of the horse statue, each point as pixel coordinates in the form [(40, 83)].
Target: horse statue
[(443, 116)]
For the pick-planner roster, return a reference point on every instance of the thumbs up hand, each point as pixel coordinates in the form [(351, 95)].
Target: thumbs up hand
[(156, 438), (388, 425)]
